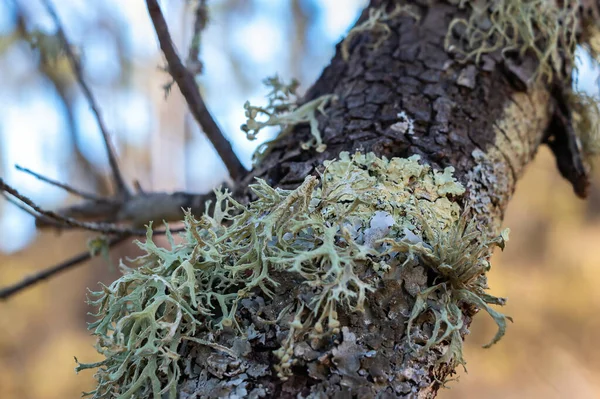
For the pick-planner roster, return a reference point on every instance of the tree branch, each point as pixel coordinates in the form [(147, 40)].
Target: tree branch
[(187, 85), (106, 228), (194, 65), (38, 218), (47, 273), (65, 187), (121, 187)]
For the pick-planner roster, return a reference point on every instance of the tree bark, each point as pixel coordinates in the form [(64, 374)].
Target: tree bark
[(480, 119)]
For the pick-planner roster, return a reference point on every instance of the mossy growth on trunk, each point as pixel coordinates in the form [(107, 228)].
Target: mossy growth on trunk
[(549, 31), (337, 235)]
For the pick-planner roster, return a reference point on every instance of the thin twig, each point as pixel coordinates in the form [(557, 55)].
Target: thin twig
[(78, 71), (64, 221), (28, 281), (106, 228), (44, 219), (65, 187), (187, 85), (138, 209), (138, 187), (193, 63)]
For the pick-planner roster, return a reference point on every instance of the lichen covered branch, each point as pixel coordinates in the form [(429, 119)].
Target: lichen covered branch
[(334, 238)]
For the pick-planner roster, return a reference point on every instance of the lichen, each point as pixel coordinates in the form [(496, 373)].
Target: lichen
[(404, 125), (546, 29), (283, 111), (376, 26), (458, 258), (586, 123), (335, 235)]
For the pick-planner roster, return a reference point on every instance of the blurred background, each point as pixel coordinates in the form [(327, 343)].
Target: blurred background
[(550, 270)]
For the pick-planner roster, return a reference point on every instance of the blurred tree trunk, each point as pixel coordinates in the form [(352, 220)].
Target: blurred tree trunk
[(480, 119)]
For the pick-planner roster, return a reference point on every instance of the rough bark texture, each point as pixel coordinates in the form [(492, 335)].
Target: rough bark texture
[(457, 108), (479, 119)]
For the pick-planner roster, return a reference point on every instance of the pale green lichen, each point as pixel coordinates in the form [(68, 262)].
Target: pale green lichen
[(376, 25), (546, 29), (284, 112), (550, 31), (336, 235), (458, 257)]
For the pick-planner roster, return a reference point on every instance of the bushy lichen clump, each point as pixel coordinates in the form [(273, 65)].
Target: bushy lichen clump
[(546, 29), (549, 31), (337, 235)]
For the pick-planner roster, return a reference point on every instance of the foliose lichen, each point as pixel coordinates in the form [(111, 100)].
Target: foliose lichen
[(337, 235)]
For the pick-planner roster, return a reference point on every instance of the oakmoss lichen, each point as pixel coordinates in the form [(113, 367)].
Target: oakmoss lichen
[(283, 111), (549, 31), (337, 235), (546, 29)]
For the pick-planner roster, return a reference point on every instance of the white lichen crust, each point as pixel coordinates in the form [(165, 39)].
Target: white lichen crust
[(337, 236)]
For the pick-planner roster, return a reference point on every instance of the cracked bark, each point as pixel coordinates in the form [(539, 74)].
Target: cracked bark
[(479, 119)]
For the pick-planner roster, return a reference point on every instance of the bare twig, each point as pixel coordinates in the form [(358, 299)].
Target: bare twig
[(65, 187), (122, 189), (106, 228), (137, 210), (138, 187), (28, 281), (88, 211), (187, 85), (42, 218), (193, 63)]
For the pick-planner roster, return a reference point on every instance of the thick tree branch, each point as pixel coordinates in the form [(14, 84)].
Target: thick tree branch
[(473, 117), (189, 89)]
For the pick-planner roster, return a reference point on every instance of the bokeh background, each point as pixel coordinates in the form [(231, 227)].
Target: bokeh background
[(550, 270)]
